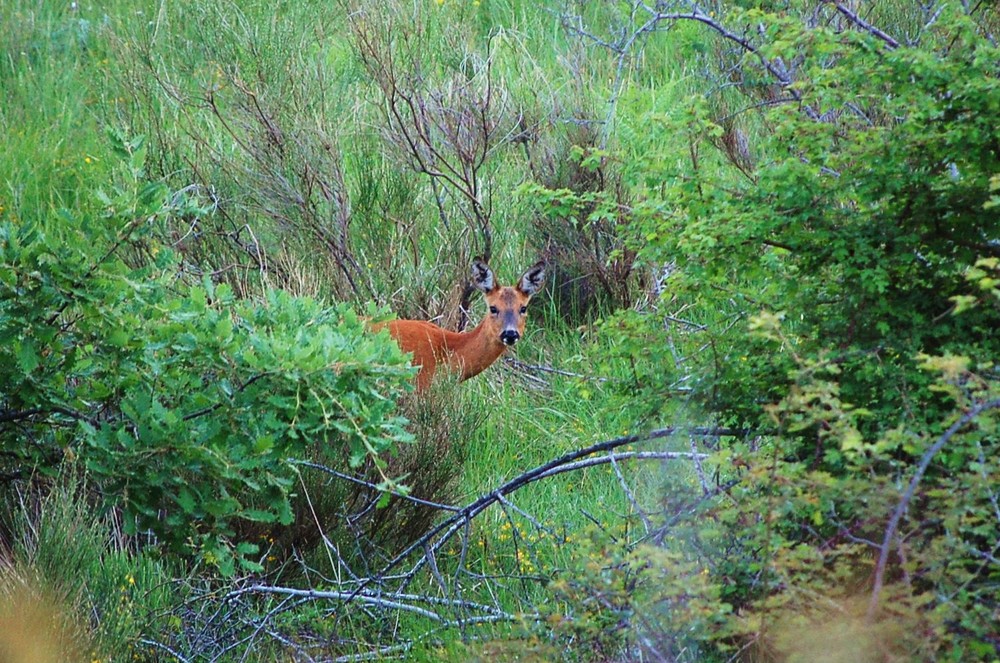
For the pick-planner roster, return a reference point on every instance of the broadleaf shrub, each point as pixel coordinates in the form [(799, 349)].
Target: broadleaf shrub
[(183, 403), (837, 300)]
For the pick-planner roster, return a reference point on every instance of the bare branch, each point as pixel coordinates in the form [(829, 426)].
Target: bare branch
[(630, 495), (864, 25), (904, 502), (569, 462), (777, 70), (368, 484)]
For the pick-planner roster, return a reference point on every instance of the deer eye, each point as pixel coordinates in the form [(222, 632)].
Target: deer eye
[(524, 309), (494, 310)]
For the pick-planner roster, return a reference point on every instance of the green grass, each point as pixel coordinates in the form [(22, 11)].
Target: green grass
[(79, 563)]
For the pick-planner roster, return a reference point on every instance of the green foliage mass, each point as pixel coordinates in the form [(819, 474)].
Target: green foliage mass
[(839, 298), (184, 403), (857, 228)]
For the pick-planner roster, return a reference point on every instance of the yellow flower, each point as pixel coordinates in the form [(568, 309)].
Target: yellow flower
[(87, 159)]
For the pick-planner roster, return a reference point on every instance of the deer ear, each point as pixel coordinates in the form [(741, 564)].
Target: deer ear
[(482, 276), (533, 279)]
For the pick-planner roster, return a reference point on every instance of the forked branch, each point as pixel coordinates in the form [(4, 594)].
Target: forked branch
[(904, 502)]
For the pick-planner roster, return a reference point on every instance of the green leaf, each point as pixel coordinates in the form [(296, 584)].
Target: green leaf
[(27, 356)]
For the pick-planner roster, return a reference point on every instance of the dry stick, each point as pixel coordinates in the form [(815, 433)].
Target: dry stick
[(376, 487), (527, 516), (904, 502), (330, 547), (261, 626), (550, 468), (629, 455), (394, 602), (699, 470), (372, 598), (630, 495), (697, 15), (518, 364), (865, 25), (341, 596), (377, 654)]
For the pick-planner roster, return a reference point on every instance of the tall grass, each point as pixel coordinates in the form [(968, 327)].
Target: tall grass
[(79, 575)]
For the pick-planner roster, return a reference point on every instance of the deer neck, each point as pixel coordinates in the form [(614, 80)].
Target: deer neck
[(475, 350)]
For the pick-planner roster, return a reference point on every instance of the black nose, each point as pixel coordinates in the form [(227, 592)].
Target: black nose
[(509, 337)]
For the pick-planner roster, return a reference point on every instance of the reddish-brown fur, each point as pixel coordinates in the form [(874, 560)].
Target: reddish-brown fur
[(472, 352)]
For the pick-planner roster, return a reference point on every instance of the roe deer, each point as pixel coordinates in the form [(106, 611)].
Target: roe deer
[(470, 353)]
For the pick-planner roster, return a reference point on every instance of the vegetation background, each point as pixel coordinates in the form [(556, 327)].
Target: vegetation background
[(755, 414)]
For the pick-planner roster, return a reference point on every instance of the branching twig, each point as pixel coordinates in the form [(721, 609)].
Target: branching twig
[(865, 25), (904, 502), (779, 73), (571, 461)]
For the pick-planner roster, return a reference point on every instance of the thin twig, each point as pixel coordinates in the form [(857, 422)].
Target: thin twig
[(160, 645), (523, 366), (630, 495), (376, 487), (904, 502)]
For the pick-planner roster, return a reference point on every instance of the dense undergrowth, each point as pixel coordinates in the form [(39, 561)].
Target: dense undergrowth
[(771, 232)]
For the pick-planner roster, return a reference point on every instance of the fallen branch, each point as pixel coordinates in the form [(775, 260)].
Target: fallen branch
[(396, 601), (572, 461)]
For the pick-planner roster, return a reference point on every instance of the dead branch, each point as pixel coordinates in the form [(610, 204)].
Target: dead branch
[(569, 462), (375, 487), (856, 19)]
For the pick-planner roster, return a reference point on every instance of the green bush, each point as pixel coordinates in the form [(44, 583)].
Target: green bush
[(858, 227), (183, 403), (838, 300)]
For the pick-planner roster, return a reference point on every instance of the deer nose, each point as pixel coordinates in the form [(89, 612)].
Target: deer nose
[(509, 337)]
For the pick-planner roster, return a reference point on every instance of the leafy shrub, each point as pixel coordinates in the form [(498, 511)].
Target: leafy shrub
[(183, 403), (824, 302), (859, 229), (345, 506)]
